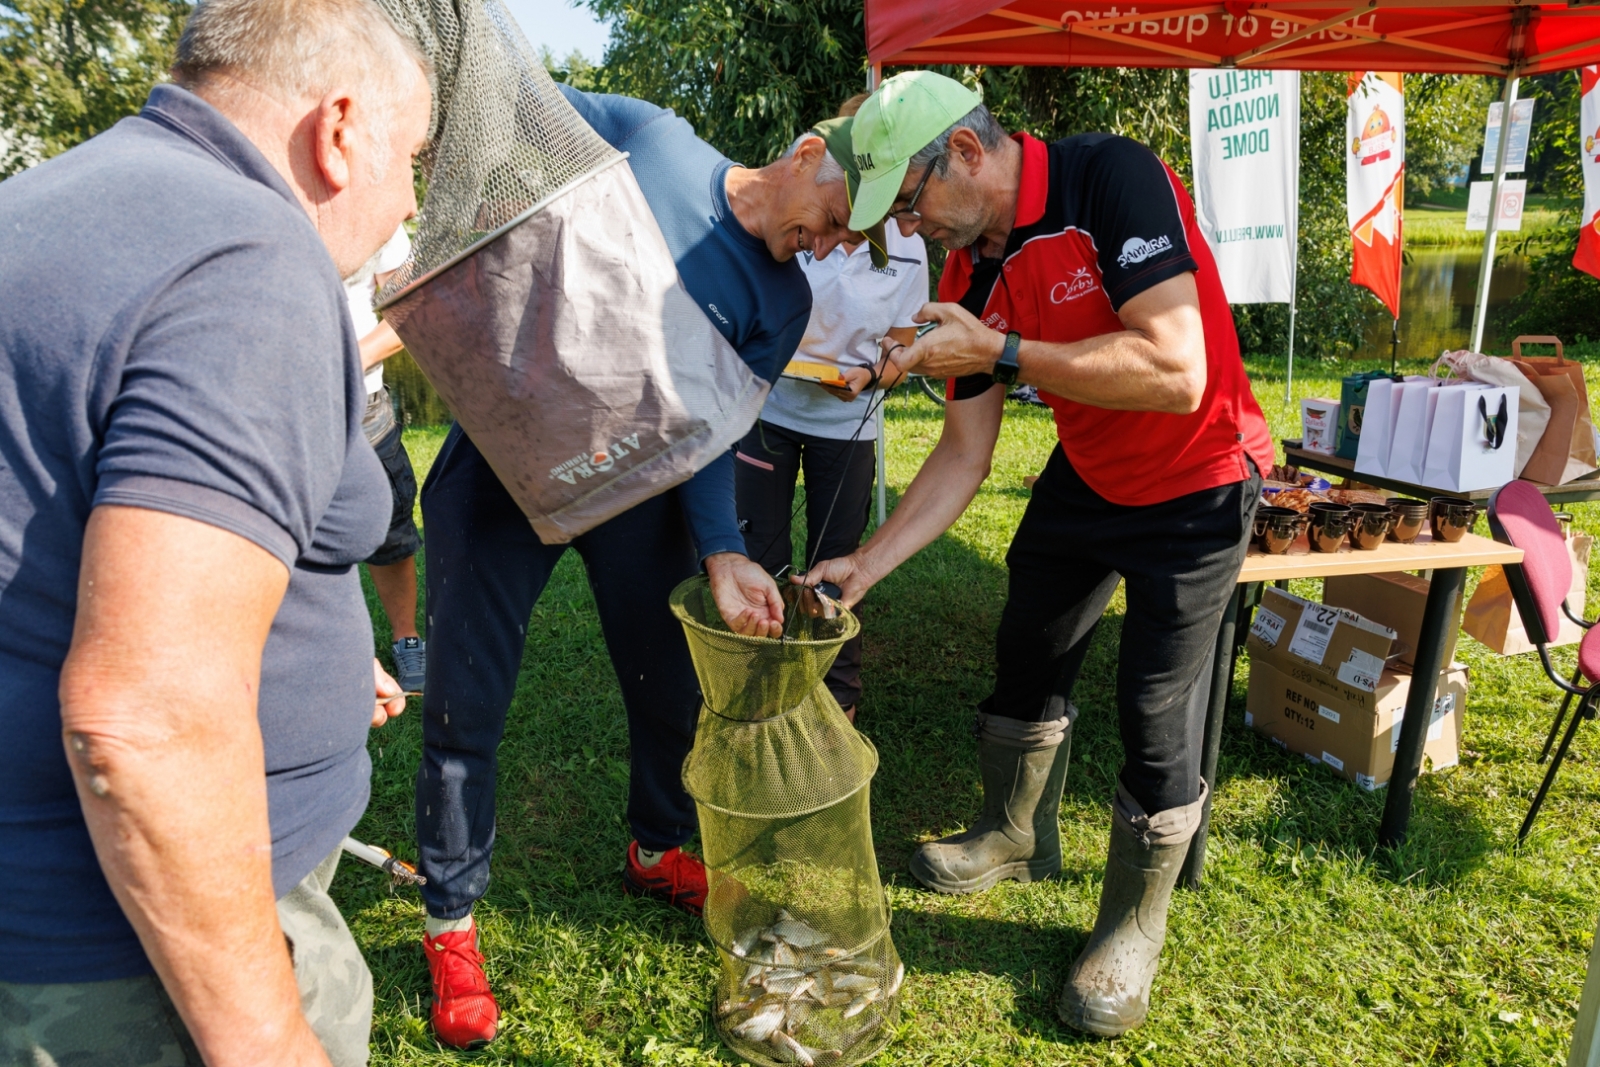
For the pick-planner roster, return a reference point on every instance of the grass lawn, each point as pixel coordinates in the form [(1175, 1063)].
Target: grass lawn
[(1441, 222), (1307, 944)]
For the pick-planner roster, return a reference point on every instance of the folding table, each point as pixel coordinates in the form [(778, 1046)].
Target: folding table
[(1447, 561)]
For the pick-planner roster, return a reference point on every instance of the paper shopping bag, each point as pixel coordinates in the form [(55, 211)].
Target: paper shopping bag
[(1491, 615), (1377, 428), (1408, 450), (1533, 410), (1566, 449), (1472, 443), (1353, 409)]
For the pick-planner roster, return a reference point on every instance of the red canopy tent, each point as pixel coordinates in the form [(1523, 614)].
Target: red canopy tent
[(1417, 36)]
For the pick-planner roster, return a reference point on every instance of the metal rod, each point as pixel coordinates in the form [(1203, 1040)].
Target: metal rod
[(1480, 307), (399, 870), (1439, 617), (1194, 864), (1394, 345)]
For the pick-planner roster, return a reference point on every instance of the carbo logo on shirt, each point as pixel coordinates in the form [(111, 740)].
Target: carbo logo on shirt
[(720, 317), (1137, 250), (1080, 284)]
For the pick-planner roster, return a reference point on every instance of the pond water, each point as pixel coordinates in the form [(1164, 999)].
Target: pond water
[(1437, 290), (419, 404)]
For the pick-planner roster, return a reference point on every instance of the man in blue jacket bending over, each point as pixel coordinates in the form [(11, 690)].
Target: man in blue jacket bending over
[(734, 232)]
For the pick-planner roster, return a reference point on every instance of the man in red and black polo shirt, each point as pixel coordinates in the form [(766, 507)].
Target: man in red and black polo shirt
[(1076, 267)]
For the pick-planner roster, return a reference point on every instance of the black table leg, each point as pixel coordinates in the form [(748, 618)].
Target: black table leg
[(1438, 615), (1216, 710)]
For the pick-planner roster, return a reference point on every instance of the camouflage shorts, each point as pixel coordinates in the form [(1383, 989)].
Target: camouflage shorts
[(130, 1022)]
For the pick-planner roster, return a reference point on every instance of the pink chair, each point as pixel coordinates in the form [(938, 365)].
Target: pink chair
[(1520, 516)]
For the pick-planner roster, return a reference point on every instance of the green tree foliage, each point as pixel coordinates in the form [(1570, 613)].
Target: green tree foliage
[(575, 70), (749, 75), (1444, 128), (1560, 299), (71, 68)]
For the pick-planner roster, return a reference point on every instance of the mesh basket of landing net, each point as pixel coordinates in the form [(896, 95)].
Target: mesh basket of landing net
[(540, 297), (809, 973)]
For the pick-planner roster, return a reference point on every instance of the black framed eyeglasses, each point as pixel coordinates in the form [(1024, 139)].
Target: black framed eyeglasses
[(909, 212)]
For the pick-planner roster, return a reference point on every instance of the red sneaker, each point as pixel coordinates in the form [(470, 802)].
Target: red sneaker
[(464, 1013), (679, 879)]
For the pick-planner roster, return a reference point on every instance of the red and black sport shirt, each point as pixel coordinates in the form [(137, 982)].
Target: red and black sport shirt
[(1100, 219)]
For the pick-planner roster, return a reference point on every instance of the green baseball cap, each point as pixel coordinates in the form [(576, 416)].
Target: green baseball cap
[(899, 120), (835, 133)]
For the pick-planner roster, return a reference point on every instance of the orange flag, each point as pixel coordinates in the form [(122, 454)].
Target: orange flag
[(1374, 170), (1588, 256)]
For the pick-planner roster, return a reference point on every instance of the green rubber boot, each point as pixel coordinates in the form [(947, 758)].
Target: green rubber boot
[(1108, 991), (1024, 766)]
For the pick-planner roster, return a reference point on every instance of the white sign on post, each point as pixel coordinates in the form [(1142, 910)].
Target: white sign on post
[(1513, 193), (1245, 132), (1521, 126)]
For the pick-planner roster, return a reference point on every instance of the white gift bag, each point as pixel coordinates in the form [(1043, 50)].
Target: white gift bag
[(1473, 441), (1414, 418), (1377, 428)]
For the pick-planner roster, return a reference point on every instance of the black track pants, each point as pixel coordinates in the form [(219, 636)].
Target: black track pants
[(485, 571), (1179, 560), (769, 460)]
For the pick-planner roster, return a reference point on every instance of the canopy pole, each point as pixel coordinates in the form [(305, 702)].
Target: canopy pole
[(874, 73), (1294, 267), (1480, 311)]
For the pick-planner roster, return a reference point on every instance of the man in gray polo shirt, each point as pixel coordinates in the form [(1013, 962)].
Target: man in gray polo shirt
[(184, 493)]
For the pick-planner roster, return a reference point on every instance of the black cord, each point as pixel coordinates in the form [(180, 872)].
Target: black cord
[(873, 404)]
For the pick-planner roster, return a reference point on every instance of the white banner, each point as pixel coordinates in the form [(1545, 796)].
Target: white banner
[(1245, 135), (1513, 191)]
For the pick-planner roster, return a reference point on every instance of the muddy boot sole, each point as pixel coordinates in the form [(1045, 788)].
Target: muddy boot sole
[(1017, 871)]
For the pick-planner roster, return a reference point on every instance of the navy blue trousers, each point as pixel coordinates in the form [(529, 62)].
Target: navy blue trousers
[(485, 571)]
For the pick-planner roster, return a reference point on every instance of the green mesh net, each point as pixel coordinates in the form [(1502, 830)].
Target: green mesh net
[(782, 783)]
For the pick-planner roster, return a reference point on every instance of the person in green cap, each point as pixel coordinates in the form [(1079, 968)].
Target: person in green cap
[(1079, 268), (863, 299)]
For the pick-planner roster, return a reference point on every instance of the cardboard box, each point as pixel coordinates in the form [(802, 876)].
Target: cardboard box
[(1335, 651), (1392, 600), (1355, 738)]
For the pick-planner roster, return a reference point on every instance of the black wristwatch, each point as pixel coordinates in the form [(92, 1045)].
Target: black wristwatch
[(1005, 368)]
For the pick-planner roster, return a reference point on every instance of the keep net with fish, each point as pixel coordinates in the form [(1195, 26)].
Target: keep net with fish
[(541, 299), (782, 784)]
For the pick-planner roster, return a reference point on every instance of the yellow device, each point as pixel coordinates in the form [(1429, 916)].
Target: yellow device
[(821, 373)]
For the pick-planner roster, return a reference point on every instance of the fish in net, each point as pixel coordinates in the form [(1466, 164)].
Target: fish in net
[(540, 298), (782, 783)]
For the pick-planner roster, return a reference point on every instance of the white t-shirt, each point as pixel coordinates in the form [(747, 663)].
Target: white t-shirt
[(362, 286), (853, 305)]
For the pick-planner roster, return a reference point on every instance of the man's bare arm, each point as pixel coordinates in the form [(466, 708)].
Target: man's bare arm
[(1156, 363), (158, 712), (937, 496), (379, 345)]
